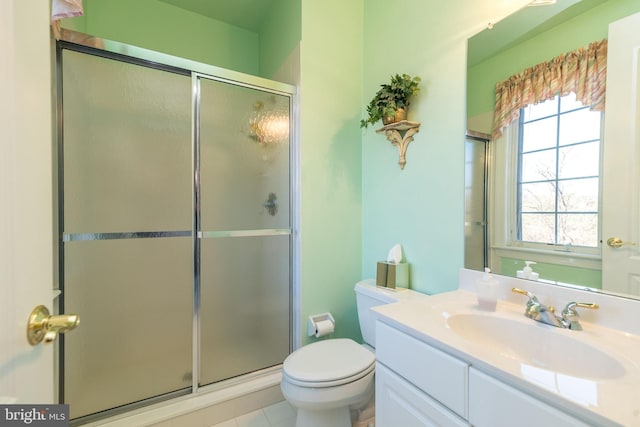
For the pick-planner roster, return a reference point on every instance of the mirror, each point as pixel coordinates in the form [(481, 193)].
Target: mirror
[(531, 36)]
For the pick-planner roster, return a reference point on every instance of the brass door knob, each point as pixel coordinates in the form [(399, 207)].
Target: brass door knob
[(616, 242), (41, 326)]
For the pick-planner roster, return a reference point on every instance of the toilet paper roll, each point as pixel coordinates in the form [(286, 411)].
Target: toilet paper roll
[(324, 327)]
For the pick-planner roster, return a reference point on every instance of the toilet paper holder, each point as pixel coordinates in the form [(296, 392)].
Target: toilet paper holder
[(315, 319)]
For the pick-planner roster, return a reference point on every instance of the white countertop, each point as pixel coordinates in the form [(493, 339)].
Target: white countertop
[(605, 401)]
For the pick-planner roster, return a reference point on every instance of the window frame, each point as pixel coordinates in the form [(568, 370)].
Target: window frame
[(504, 202)]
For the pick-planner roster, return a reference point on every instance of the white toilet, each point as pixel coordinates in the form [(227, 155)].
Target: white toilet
[(326, 379)]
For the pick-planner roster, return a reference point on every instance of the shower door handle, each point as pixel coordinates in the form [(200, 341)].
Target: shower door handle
[(271, 204), (43, 327)]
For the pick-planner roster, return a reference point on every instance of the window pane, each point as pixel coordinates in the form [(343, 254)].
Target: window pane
[(569, 102), (559, 167), (538, 228), (578, 229), (538, 197), (579, 126), (539, 166), (579, 160), (539, 134), (542, 109), (578, 195)]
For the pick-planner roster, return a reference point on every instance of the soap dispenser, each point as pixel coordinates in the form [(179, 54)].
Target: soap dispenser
[(487, 291), (527, 272)]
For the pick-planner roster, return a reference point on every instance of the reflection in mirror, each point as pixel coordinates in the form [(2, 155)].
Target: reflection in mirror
[(476, 183), (533, 36)]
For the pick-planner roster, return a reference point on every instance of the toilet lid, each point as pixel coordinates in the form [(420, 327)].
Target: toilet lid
[(328, 361)]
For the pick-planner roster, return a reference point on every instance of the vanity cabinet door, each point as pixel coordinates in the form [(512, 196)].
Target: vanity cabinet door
[(399, 403), (495, 404), (436, 373)]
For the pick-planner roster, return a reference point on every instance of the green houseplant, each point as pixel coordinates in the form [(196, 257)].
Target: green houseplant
[(391, 98)]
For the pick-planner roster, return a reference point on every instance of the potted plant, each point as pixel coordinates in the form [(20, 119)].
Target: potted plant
[(391, 102)]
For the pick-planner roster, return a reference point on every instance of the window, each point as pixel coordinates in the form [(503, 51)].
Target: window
[(558, 168)]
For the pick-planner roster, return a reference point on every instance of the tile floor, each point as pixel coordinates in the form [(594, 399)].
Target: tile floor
[(281, 414)]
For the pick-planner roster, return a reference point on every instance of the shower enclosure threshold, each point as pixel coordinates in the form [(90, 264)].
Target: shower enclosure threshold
[(262, 386)]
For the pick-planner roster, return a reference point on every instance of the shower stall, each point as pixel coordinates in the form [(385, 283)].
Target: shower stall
[(176, 216)]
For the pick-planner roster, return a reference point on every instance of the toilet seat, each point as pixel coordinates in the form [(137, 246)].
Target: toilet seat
[(328, 363)]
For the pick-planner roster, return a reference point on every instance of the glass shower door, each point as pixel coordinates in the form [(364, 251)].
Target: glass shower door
[(126, 227), (244, 230)]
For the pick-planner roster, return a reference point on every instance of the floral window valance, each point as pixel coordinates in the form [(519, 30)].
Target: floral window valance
[(583, 71)]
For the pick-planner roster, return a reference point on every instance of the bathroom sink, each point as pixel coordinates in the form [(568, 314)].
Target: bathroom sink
[(536, 345)]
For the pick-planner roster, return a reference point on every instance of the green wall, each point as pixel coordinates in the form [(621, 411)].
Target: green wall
[(158, 26), (279, 35), (422, 206), (330, 90)]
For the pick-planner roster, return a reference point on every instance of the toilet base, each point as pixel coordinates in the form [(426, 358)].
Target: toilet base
[(338, 417)]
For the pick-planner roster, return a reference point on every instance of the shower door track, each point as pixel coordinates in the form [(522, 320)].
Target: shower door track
[(78, 42)]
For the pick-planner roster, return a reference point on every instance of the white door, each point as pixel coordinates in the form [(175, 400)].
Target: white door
[(26, 214), (621, 182)]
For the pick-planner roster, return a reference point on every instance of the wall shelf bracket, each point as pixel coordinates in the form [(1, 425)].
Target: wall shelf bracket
[(401, 134)]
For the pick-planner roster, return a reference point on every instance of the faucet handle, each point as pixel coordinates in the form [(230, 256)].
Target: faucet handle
[(525, 293), (570, 316), (591, 305), (571, 307), (533, 300), (533, 305)]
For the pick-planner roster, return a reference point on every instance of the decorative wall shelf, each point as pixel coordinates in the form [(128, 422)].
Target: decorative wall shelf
[(401, 134)]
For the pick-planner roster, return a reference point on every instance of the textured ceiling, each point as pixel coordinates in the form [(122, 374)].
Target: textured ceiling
[(247, 14)]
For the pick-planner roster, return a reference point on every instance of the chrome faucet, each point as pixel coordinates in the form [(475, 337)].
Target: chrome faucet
[(539, 312), (569, 319)]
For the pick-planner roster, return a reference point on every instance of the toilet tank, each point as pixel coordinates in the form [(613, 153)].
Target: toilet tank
[(368, 295)]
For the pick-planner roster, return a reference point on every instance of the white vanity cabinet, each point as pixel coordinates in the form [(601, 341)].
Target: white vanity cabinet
[(400, 403), (493, 403), (419, 385), (416, 384)]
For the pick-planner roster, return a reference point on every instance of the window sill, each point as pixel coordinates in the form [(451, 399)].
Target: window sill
[(571, 259)]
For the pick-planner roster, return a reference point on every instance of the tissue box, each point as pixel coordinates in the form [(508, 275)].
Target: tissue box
[(392, 276), (381, 274)]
